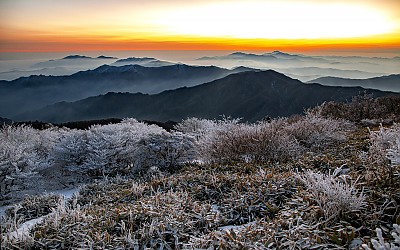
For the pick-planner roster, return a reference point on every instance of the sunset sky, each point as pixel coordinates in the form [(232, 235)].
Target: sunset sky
[(290, 25)]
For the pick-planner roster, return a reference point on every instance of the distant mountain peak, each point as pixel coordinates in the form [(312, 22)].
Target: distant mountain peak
[(77, 57), (243, 54), (234, 55), (109, 68), (243, 68), (106, 57), (136, 59), (278, 53), (239, 53)]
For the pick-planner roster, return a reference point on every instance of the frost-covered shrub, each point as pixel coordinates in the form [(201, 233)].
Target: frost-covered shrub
[(364, 108), (335, 196), (23, 147), (227, 140), (18, 148), (254, 142), (393, 153), (381, 244), (196, 126), (165, 151), (105, 146), (278, 139), (107, 149), (23, 152), (71, 150), (385, 145), (313, 130), (205, 132)]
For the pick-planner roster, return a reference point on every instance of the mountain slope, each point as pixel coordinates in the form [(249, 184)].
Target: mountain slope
[(385, 83), (28, 93), (248, 95)]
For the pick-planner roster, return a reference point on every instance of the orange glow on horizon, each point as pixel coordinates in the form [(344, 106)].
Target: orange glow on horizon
[(51, 44), (301, 25)]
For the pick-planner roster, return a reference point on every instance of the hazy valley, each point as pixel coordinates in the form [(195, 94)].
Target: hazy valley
[(100, 75)]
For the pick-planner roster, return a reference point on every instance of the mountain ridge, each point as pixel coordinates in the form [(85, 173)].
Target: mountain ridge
[(248, 95), (35, 91), (384, 83)]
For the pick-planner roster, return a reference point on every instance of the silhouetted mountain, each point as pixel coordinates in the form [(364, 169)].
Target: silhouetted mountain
[(28, 93), (106, 57), (143, 61), (137, 59), (243, 69), (279, 53), (385, 83), (72, 59), (248, 95), (77, 57)]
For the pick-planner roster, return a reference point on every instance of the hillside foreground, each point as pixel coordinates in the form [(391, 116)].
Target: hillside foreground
[(326, 179)]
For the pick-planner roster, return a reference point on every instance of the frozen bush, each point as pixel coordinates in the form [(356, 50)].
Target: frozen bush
[(385, 145), (196, 126), (111, 148), (203, 129), (17, 146), (205, 132), (228, 140), (313, 130), (103, 149), (26, 148), (24, 152), (254, 142), (71, 150), (278, 139), (393, 153), (364, 108), (335, 196), (165, 151), (381, 244)]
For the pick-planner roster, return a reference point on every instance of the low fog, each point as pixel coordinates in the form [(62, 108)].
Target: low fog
[(301, 67), (306, 68)]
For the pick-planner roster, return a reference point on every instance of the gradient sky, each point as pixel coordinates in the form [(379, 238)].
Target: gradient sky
[(290, 25)]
